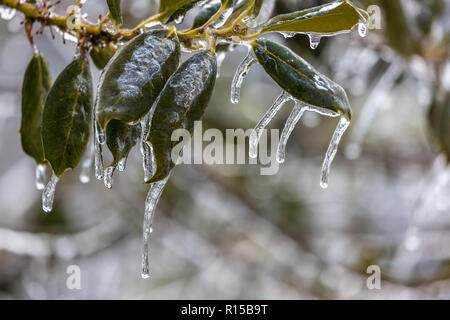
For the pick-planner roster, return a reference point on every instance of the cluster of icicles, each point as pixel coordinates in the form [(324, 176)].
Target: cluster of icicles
[(94, 153), (299, 109)]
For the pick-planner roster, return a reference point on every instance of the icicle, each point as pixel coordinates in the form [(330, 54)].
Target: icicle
[(41, 170), (48, 195), (294, 118), (257, 132), (86, 164), (148, 162), (121, 165), (151, 202), (314, 40), (7, 13), (240, 74), (99, 134), (98, 156), (108, 176), (362, 28), (332, 149)]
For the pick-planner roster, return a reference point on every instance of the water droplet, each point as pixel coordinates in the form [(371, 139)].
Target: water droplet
[(86, 164), (7, 13), (288, 34)]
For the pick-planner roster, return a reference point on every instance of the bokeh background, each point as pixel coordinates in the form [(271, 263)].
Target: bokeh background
[(225, 231)]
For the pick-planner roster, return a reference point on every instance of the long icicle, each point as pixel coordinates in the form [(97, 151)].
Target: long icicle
[(294, 118), (257, 132), (151, 202), (241, 73), (48, 195), (98, 153), (41, 170), (332, 149)]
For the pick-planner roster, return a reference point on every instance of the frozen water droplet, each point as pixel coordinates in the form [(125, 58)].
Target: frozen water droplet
[(41, 170), (151, 202), (86, 164), (121, 165), (362, 28), (288, 34), (241, 73), (257, 132), (314, 40), (332, 149), (48, 195), (108, 176), (294, 118), (7, 13)]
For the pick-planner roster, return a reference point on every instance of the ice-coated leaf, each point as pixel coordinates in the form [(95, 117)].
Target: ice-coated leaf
[(262, 10), (439, 120), (182, 101), (205, 14), (36, 85), (136, 75), (66, 120), (115, 12), (120, 139), (168, 8), (328, 19), (101, 55), (239, 7), (301, 80)]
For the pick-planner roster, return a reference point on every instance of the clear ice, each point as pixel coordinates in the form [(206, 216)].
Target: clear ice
[(257, 132), (98, 155), (294, 118), (332, 149), (108, 176), (48, 195), (41, 170), (314, 40), (240, 74), (151, 202)]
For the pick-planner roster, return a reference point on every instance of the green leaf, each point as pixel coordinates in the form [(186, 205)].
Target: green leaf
[(136, 76), (36, 85), (67, 119), (121, 138), (115, 12), (167, 8), (328, 19), (205, 14), (101, 55), (301, 80), (439, 120), (183, 101)]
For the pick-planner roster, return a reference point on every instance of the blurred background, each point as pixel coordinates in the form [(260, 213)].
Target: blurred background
[(225, 231)]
